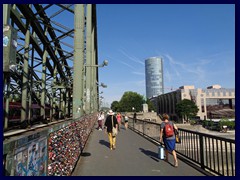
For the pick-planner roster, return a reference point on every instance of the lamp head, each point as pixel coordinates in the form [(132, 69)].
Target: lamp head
[(103, 85), (105, 63)]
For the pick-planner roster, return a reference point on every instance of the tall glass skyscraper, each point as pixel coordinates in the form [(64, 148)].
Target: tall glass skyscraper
[(154, 76)]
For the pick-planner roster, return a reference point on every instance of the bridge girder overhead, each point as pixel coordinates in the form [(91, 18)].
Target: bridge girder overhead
[(51, 28)]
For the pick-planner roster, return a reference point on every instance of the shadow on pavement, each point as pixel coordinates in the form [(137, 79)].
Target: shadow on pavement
[(85, 154), (151, 154), (105, 143)]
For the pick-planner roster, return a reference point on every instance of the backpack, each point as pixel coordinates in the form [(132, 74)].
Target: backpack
[(168, 129)]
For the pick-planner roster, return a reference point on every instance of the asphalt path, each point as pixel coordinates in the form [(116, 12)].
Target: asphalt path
[(133, 156)]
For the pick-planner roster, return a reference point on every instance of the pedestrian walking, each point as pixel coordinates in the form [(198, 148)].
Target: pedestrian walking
[(135, 117), (168, 137), (119, 120), (111, 121), (126, 122), (100, 120)]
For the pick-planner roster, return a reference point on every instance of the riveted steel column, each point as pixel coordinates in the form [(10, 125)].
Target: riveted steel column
[(95, 61), (30, 113), (69, 103), (43, 94), (6, 17), (89, 61), (24, 109), (62, 103), (78, 60), (95, 87), (54, 90), (6, 13), (93, 82)]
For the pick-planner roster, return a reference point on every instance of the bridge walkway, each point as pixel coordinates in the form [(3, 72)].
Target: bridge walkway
[(133, 156)]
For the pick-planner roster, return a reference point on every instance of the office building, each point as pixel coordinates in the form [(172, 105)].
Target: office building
[(213, 102), (154, 77)]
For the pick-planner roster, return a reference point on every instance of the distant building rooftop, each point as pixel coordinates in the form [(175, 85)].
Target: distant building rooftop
[(187, 87), (216, 86)]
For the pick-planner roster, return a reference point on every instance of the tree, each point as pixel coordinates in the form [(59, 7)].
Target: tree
[(186, 109), (129, 100), (151, 106), (115, 106)]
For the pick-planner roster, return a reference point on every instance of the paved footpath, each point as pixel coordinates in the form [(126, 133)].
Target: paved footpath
[(133, 156)]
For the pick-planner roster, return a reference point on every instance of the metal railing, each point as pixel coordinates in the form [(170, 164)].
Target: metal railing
[(211, 153)]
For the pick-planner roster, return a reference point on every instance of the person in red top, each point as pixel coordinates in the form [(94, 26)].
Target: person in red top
[(119, 120), (170, 141)]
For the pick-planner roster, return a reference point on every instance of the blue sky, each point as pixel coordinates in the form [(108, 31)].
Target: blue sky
[(196, 42)]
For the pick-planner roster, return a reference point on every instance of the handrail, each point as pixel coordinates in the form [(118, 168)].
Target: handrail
[(211, 153)]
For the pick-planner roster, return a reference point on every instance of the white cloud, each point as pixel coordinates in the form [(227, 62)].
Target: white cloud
[(132, 58), (139, 73)]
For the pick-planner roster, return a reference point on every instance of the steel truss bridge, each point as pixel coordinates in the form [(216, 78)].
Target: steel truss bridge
[(50, 57)]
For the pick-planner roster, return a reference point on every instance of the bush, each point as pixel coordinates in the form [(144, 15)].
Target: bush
[(193, 122), (205, 123), (226, 122)]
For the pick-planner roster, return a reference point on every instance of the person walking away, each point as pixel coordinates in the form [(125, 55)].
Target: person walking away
[(119, 119), (111, 121), (168, 137), (135, 117), (100, 120), (126, 122)]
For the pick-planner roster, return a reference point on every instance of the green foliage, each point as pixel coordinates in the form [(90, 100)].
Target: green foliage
[(129, 100), (204, 123), (151, 106), (226, 122), (211, 123), (231, 124), (115, 106), (186, 109), (192, 122)]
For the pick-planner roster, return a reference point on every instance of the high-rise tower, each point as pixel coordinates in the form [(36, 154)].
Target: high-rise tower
[(154, 76)]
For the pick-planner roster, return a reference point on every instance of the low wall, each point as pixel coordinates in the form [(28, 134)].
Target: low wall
[(49, 151), (151, 116)]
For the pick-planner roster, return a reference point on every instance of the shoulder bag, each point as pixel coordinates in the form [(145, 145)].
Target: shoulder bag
[(177, 137), (114, 130)]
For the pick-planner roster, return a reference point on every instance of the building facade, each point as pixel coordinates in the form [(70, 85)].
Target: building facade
[(213, 103), (154, 77)]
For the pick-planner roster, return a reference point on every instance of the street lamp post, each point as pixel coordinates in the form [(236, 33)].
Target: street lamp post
[(134, 115), (97, 106), (91, 89), (105, 63)]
